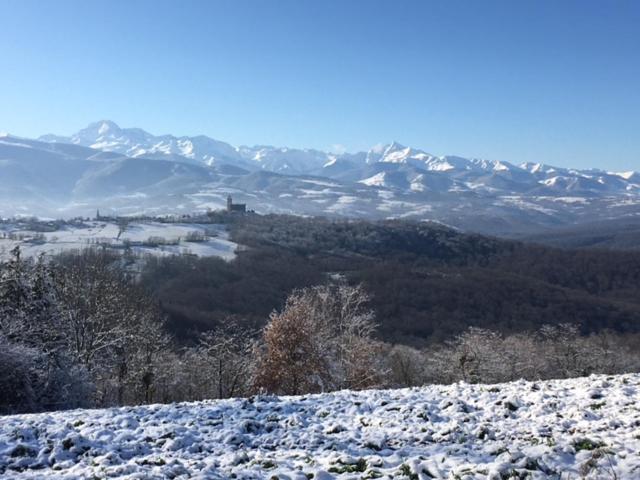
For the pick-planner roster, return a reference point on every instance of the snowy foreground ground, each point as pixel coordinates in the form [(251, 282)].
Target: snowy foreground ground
[(588, 427)]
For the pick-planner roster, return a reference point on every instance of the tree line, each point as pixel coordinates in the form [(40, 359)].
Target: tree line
[(80, 331)]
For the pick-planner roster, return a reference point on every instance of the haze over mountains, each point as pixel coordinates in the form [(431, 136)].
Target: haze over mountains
[(130, 171)]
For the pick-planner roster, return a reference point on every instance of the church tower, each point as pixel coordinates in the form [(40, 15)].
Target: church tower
[(235, 207)]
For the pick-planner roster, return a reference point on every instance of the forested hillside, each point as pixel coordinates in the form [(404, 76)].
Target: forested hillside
[(427, 282), (616, 233)]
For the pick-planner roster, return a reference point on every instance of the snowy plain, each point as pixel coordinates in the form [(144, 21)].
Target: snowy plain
[(578, 428), (142, 238)]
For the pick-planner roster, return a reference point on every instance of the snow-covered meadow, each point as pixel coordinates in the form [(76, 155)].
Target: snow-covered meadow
[(579, 428), (143, 238)]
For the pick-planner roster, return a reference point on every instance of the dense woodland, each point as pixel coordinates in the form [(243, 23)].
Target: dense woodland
[(310, 305), (427, 282), (616, 233)]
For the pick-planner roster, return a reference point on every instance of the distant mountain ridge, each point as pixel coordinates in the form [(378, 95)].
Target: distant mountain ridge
[(132, 171), (466, 173)]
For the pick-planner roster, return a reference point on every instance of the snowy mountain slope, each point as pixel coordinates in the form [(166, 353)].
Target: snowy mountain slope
[(469, 173), (285, 160), (61, 179), (135, 142), (578, 428)]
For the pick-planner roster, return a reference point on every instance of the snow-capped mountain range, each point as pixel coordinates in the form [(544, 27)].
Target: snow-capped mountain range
[(133, 171), (135, 142)]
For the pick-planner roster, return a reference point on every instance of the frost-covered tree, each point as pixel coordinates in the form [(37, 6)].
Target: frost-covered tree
[(183, 377), (93, 295), (36, 363), (226, 354), (406, 366), (562, 350), (347, 327), (141, 358), (558, 351), (113, 328), (21, 371), (610, 353)]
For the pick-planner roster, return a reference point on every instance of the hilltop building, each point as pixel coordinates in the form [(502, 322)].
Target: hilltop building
[(235, 207)]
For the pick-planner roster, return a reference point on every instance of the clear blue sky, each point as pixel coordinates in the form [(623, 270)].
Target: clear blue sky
[(551, 81)]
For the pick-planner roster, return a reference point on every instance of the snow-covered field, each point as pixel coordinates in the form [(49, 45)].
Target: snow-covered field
[(588, 427), (141, 236)]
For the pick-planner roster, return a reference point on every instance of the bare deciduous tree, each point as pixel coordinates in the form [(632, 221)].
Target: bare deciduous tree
[(320, 341), (292, 358), (226, 353)]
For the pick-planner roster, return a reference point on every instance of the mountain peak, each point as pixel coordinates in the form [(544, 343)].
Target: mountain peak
[(394, 146), (103, 127)]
